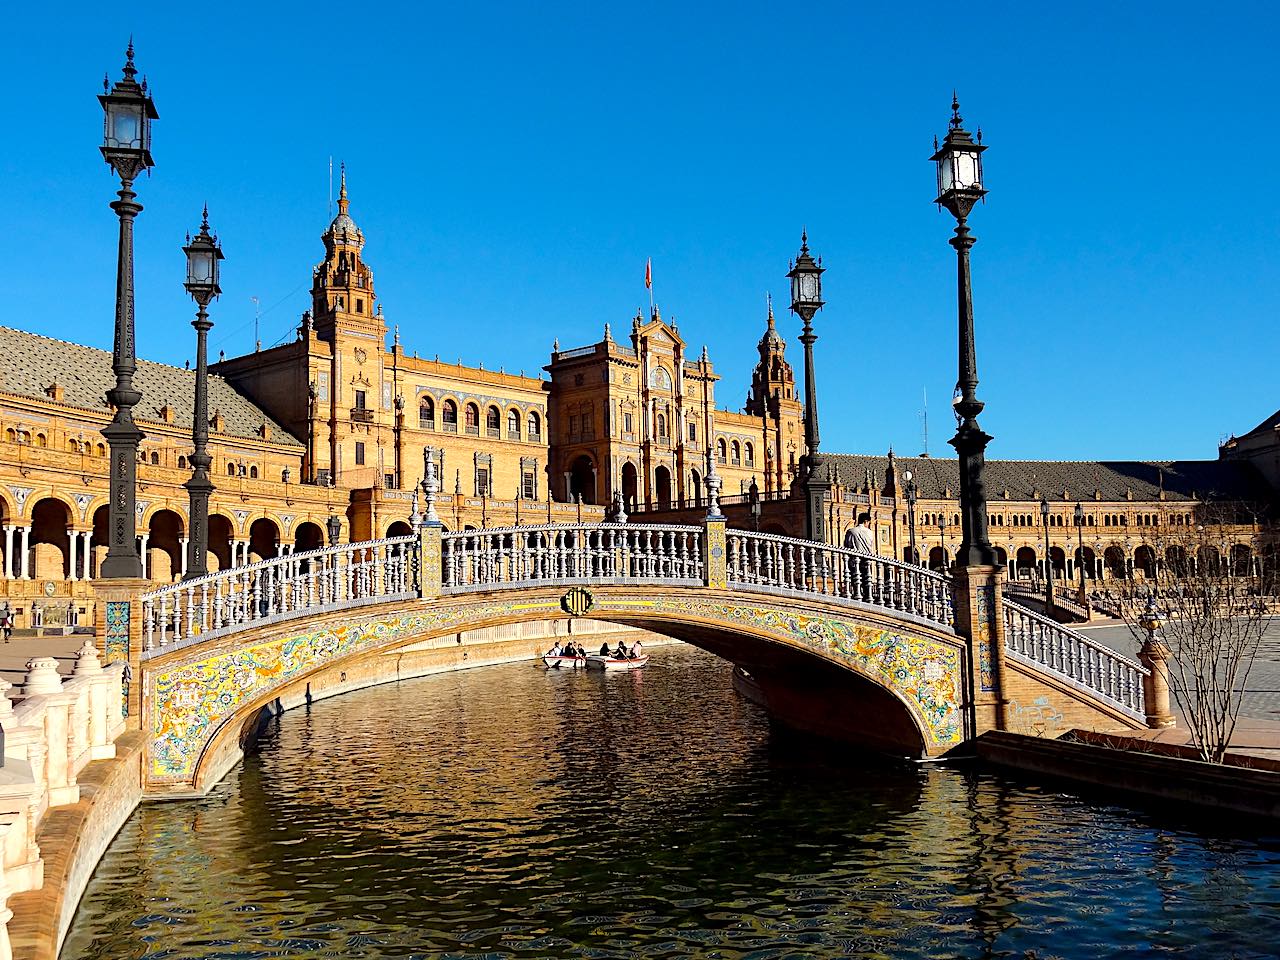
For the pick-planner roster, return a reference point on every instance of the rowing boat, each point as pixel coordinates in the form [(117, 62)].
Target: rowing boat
[(564, 663), (597, 662)]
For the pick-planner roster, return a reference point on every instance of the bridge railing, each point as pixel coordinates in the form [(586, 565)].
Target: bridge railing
[(1084, 663), (608, 553), (802, 566), (294, 585)]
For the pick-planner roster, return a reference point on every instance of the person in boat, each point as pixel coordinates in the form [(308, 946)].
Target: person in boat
[(622, 650), (555, 650), (637, 651), (604, 649)]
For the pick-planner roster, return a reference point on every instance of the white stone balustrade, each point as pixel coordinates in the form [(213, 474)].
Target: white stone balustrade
[(53, 731), (786, 565)]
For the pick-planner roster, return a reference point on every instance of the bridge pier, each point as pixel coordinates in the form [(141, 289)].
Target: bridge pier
[(977, 603)]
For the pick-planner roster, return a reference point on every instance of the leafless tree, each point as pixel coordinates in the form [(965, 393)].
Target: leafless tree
[(1210, 604)]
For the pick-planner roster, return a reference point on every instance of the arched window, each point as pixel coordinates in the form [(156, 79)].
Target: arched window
[(721, 451), (659, 379), (513, 424), (493, 421), (750, 454), (10, 435), (737, 454), (42, 440), (182, 463), (662, 426), (473, 419), (449, 416), (426, 414), (535, 426), (231, 469), (155, 458), (253, 473), (102, 450)]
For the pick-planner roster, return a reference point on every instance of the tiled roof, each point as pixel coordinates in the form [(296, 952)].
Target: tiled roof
[(1027, 480), (31, 363)]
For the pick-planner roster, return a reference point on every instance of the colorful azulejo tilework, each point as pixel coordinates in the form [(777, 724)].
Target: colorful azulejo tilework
[(985, 605), (115, 645), (924, 672)]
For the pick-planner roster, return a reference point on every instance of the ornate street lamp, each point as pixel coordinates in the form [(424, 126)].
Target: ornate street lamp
[(959, 162), (335, 529), (1079, 517), (203, 256), (942, 532), (1048, 559), (126, 147), (909, 488), (753, 497), (806, 300)]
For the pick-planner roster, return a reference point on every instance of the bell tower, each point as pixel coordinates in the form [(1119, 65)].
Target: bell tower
[(772, 381), (342, 285)]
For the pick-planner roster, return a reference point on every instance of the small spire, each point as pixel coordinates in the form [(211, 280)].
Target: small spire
[(204, 214), (804, 240), (343, 202), (555, 345), (956, 119), (768, 297), (130, 71), (397, 338), (608, 334), (704, 353)]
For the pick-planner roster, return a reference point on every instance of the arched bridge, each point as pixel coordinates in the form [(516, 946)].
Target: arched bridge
[(894, 655)]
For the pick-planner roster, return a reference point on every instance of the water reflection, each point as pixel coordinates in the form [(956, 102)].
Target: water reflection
[(507, 812)]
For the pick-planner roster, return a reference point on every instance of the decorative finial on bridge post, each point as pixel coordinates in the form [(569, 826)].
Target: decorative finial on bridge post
[(415, 518), (430, 486), (618, 512), (713, 488)]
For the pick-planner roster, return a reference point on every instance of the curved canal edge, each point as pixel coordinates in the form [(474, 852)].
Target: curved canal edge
[(72, 773)]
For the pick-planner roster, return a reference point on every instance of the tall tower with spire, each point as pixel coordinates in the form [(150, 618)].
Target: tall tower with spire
[(342, 284), (773, 399)]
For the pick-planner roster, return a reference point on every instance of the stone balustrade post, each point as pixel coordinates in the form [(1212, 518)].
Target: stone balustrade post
[(21, 803), (6, 948), (118, 627), (43, 681), (100, 741), (977, 604), (1155, 655), (430, 567), (715, 553)]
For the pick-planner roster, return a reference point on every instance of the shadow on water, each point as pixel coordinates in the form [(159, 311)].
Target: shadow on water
[(509, 813)]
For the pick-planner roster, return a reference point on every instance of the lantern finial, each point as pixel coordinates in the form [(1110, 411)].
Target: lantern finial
[(956, 119), (804, 240), (130, 71), (204, 217)]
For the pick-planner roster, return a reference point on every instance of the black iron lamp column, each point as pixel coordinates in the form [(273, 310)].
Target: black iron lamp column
[(127, 149), (753, 498), (806, 300), (1048, 558), (909, 488), (942, 534), (959, 162), (203, 255), (1079, 517)]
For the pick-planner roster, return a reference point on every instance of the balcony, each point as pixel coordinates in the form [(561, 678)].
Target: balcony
[(473, 429), (426, 423), (361, 415), (449, 426), (493, 432)]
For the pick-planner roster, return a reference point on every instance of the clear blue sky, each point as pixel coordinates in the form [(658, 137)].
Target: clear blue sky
[(513, 164)]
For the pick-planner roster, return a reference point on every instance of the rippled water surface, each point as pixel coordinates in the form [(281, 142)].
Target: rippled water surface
[(506, 812)]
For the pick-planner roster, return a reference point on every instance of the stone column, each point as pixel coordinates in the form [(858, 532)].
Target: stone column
[(182, 546), (8, 551), (42, 680), (71, 556), (977, 599), (142, 552), (24, 560), (86, 553)]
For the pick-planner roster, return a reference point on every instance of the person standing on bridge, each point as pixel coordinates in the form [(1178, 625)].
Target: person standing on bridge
[(860, 539)]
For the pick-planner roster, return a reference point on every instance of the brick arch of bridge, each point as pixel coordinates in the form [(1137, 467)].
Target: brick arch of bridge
[(897, 685)]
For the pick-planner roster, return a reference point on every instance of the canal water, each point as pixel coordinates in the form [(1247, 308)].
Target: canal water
[(510, 812)]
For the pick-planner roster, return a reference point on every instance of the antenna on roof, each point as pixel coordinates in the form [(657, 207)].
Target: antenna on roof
[(924, 417), (330, 186), (257, 314)]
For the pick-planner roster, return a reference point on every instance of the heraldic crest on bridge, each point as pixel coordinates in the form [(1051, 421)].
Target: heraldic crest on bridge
[(210, 653)]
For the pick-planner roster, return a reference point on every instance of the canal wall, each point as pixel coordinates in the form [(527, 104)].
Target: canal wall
[(72, 772), (1169, 779)]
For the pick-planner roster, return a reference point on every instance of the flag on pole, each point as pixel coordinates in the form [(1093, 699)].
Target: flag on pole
[(648, 273)]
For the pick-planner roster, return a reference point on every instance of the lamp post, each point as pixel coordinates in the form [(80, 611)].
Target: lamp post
[(942, 532), (1048, 560), (126, 147), (806, 300), (909, 488), (959, 162), (753, 496), (1079, 516), (335, 529), (203, 255)]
